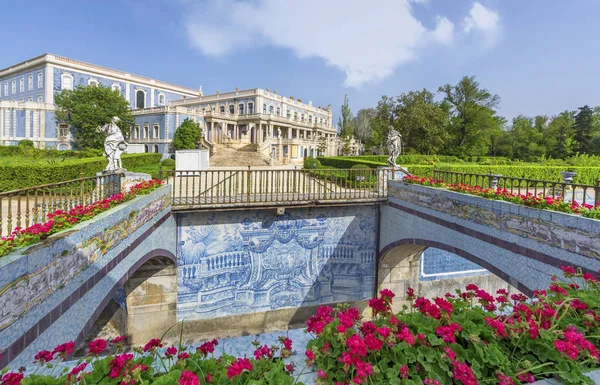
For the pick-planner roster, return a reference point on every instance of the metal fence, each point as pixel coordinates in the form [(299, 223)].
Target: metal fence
[(28, 206), (583, 194), (210, 189)]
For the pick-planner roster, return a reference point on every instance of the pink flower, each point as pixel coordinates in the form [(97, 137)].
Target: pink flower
[(171, 351), (357, 345), (188, 378), (310, 356), (429, 381), (404, 371), (153, 344), (387, 294), (321, 373), (290, 368), (526, 377), (183, 356), (65, 349), (119, 339), (44, 356), (238, 367), (12, 378), (76, 370), (97, 346)]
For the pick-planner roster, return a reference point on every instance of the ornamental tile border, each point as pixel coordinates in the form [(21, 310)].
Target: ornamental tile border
[(41, 269), (566, 231)]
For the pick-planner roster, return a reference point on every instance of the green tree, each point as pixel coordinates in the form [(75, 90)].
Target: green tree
[(322, 145), (362, 124), (347, 145), (187, 135), (422, 122), (472, 117), (345, 120), (86, 108), (585, 129), (560, 129), (385, 115), (526, 139)]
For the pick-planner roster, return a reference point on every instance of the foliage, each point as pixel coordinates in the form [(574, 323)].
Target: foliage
[(311, 163), (61, 220), (345, 123), (467, 338), (362, 125), (540, 201), (347, 145), (585, 128), (170, 163), (25, 143), (322, 144), (86, 108), (156, 365), (187, 136), (473, 117), (17, 173)]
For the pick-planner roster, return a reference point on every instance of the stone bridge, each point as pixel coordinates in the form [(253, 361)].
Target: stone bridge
[(231, 272)]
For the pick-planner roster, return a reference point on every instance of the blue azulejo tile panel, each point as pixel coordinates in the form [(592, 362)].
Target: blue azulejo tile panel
[(438, 264), (241, 262)]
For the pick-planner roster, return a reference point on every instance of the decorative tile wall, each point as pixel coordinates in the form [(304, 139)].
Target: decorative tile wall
[(240, 262)]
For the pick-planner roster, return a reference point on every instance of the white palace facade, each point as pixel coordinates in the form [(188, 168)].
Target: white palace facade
[(282, 127)]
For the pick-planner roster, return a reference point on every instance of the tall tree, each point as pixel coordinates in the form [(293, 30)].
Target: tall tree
[(362, 124), (385, 115), (560, 129), (187, 135), (584, 128), (526, 139), (473, 116), (88, 107), (345, 120), (422, 122)]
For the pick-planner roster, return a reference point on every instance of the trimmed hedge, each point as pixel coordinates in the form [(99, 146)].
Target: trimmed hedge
[(18, 176), (348, 161)]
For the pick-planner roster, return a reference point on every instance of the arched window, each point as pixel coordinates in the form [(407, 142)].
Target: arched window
[(271, 110), (145, 148), (13, 87), (22, 84), (66, 82), (278, 111), (39, 99), (40, 80), (161, 99), (250, 108), (140, 99), (146, 132), (241, 109), (136, 132), (30, 83), (231, 108), (155, 131), (63, 130), (5, 88), (30, 99), (264, 108), (156, 148)]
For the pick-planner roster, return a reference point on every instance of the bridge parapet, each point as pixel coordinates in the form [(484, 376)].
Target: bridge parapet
[(521, 245), (41, 284)]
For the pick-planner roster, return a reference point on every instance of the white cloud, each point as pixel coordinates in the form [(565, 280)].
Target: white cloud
[(366, 40), (483, 20)]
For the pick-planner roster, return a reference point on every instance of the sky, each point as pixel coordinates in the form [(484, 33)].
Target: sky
[(539, 56)]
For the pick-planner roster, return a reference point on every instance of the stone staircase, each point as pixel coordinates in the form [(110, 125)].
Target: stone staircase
[(237, 154)]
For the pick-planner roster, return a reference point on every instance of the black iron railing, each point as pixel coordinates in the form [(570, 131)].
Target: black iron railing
[(209, 189), (582, 193), (28, 206)]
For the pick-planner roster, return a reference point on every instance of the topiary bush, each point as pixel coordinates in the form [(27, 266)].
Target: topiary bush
[(168, 163), (311, 163), (25, 143)]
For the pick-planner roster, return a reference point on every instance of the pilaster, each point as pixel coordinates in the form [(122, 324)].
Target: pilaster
[(49, 84)]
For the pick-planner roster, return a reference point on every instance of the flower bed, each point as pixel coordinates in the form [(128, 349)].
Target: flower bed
[(536, 201), (156, 365), (61, 220), (467, 338)]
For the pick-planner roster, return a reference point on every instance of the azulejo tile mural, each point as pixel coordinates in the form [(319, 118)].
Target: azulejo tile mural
[(241, 262)]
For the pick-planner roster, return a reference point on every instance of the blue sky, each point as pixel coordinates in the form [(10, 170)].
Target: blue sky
[(540, 56)]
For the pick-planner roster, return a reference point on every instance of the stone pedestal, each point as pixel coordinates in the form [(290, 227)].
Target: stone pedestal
[(384, 174), (129, 179)]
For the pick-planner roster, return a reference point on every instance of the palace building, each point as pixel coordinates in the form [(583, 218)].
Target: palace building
[(283, 128)]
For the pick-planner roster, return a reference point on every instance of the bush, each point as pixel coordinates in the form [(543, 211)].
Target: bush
[(18, 176), (348, 161), (168, 163), (471, 337), (26, 143), (311, 163)]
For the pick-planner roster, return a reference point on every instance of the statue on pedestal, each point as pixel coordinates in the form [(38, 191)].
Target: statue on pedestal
[(278, 133), (114, 145), (394, 143)]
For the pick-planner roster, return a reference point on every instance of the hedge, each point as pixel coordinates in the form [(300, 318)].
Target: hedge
[(18, 176)]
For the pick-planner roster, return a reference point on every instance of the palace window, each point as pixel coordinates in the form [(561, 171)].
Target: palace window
[(93, 82), (156, 129), (116, 87), (295, 116), (231, 108), (161, 99), (136, 132), (30, 99), (309, 118), (30, 82), (271, 110), (156, 148), (302, 117), (145, 148), (67, 82), (278, 111), (222, 109), (140, 99), (40, 80), (146, 132), (5, 88), (39, 99), (13, 87), (241, 109), (63, 130), (288, 114), (22, 84), (264, 108), (250, 108)]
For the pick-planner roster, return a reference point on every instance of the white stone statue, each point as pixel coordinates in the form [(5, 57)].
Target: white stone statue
[(278, 133), (114, 145), (394, 143)]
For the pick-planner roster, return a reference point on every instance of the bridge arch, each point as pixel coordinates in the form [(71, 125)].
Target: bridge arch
[(398, 269)]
